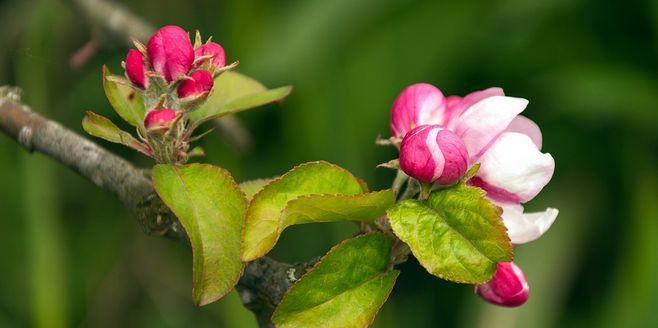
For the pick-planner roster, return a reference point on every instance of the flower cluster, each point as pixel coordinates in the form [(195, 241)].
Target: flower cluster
[(441, 137), (173, 77)]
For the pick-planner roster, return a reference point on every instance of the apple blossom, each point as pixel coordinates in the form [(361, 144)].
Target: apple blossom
[(199, 83), (513, 170), (418, 104), (170, 52), (159, 119), (136, 68), (213, 49), (508, 287), (431, 153)]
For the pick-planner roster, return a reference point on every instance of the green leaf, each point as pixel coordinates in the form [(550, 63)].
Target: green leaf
[(251, 187), (101, 127), (211, 208), (345, 289), (456, 235), (330, 208), (312, 192), (235, 92), (126, 101)]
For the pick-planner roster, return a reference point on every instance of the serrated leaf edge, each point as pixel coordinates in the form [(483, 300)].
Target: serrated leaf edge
[(442, 276), (329, 252)]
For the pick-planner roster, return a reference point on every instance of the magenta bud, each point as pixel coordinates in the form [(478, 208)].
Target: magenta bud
[(213, 49), (136, 69), (508, 287), (159, 118), (430, 153), (199, 82), (418, 104), (170, 52)]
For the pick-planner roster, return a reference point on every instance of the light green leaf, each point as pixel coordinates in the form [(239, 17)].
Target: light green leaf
[(312, 192), (126, 101), (251, 187), (345, 289), (330, 208), (235, 92), (211, 208), (101, 127), (457, 234)]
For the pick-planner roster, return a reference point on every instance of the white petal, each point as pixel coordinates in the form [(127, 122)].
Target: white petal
[(486, 119), (514, 164), (526, 227), (526, 126)]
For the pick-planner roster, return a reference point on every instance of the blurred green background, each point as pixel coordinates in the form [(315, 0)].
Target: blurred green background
[(72, 256)]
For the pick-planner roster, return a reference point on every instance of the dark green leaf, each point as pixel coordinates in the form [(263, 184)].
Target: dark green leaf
[(345, 289)]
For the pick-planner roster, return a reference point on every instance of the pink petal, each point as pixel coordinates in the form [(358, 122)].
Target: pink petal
[(457, 105), (481, 123), (513, 164), (418, 104), (170, 52), (159, 118), (526, 126), (199, 82), (420, 155), (218, 58), (508, 287), (135, 68)]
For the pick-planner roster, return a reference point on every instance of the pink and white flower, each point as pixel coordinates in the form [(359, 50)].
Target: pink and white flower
[(513, 170), (418, 104)]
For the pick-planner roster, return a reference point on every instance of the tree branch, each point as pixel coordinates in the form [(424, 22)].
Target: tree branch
[(113, 23), (265, 280)]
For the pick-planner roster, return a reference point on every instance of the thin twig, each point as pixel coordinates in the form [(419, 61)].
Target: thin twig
[(265, 280)]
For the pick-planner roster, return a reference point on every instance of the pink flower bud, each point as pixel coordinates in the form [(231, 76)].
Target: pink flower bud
[(218, 58), (431, 153), (418, 104), (200, 82), (135, 68), (159, 118), (508, 287), (170, 52)]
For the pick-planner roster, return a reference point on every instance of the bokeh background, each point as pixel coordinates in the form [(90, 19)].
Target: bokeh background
[(72, 256)]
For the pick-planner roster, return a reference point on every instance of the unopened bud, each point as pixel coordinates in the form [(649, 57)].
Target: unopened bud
[(430, 153), (159, 119), (170, 52), (508, 287), (135, 68), (199, 82), (213, 49)]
